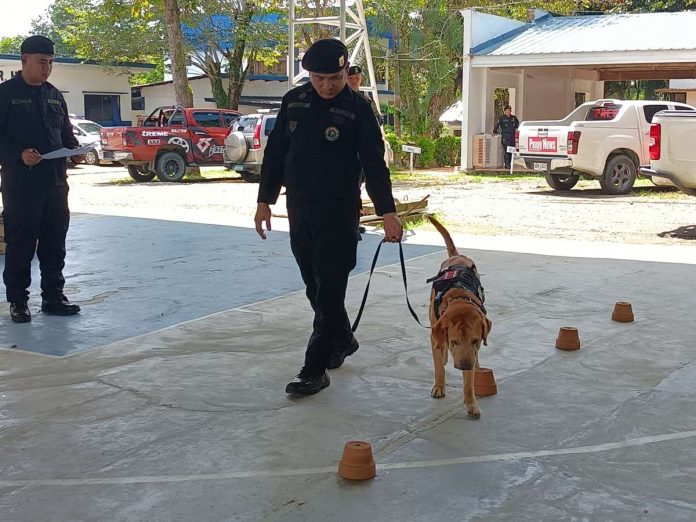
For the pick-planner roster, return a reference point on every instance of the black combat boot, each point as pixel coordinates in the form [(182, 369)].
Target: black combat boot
[(19, 311)]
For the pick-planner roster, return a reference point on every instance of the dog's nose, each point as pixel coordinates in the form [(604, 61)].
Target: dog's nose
[(463, 366)]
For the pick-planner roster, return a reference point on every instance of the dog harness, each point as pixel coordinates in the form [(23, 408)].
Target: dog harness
[(457, 276)]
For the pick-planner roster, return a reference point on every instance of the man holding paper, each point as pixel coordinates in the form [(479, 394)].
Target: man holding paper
[(34, 121)]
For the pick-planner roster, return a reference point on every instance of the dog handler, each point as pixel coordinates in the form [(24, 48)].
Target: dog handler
[(324, 135), (33, 121)]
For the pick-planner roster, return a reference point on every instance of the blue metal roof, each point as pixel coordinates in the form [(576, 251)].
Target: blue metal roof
[(601, 33)]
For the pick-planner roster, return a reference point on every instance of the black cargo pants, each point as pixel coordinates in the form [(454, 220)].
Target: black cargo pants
[(324, 242), (36, 220)]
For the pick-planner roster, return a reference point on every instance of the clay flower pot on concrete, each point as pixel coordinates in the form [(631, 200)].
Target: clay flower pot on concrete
[(484, 382), (357, 462), (568, 339), (623, 312)]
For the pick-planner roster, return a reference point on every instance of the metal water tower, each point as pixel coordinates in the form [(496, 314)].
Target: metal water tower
[(352, 30)]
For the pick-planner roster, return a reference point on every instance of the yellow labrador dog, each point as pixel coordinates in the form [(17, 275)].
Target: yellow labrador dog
[(458, 319)]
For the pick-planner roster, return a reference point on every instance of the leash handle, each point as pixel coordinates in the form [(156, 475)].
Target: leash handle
[(369, 279)]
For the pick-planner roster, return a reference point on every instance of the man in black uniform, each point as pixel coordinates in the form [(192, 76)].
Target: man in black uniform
[(33, 121), (506, 126), (324, 135)]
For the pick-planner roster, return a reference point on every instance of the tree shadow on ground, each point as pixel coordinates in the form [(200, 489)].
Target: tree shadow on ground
[(685, 232), (185, 181)]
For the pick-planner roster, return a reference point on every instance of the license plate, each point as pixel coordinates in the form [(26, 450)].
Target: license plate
[(239, 168), (541, 166)]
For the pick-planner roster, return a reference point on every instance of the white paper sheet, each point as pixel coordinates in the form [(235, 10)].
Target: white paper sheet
[(66, 153)]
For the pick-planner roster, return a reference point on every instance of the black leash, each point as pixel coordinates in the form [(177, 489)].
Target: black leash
[(367, 288)]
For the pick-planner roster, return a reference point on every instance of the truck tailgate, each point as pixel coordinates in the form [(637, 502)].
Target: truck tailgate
[(543, 141), (112, 138)]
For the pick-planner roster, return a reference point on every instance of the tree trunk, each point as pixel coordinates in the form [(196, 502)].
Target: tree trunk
[(235, 59), (214, 71), (182, 89)]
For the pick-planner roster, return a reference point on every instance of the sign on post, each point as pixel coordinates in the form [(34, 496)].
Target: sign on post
[(512, 150), (412, 150)]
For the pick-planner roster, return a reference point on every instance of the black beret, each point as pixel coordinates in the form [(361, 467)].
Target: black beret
[(354, 69), (325, 56), (38, 45)]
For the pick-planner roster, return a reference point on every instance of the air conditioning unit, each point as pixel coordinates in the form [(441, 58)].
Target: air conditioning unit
[(488, 151)]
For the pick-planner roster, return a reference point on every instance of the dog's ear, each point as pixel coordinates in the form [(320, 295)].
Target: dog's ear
[(439, 334), (486, 325)]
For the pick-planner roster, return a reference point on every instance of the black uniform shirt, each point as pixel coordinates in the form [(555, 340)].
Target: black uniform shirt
[(33, 117), (318, 148), (507, 127)]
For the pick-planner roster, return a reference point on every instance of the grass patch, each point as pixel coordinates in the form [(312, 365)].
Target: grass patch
[(191, 177), (459, 177)]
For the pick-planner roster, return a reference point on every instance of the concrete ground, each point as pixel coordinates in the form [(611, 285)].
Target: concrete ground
[(164, 400)]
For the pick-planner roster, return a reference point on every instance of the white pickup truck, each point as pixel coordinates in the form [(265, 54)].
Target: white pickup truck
[(606, 140), (673, 150)]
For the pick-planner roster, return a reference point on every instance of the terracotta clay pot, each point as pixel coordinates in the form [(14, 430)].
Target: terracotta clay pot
[(623, 312), (357, 462), (484, 382), (568, 339)]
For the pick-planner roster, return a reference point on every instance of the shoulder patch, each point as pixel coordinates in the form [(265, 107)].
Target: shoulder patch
[(54, 102)]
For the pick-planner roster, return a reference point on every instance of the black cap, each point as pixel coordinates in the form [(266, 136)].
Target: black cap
[(354, 69), (325, 56), (38, 45)]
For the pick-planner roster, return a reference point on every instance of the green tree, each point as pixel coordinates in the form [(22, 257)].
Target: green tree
[(11, 44), (233, 43)]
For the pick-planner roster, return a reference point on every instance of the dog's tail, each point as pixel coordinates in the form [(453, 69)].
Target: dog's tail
[(451, 249)]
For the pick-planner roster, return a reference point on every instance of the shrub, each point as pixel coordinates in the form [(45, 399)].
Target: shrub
[(447, 151), (426, 158)]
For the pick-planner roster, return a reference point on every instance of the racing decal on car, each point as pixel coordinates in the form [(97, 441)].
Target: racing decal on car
[(216, 149), (154, 142), (178, 131), (332, 133), (204, 144), (181, 142), (148, 134)]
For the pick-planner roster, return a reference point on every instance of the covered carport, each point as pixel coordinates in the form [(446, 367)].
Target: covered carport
[(554, 63)]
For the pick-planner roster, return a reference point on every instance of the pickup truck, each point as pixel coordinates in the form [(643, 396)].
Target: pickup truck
[(169, 140), (606, 140), (672, 154)]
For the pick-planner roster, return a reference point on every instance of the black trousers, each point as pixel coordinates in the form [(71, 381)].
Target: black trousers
[(507, 156), (36, 220), (324, 242)]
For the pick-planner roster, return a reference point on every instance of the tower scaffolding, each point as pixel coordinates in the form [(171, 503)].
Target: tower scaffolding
[(352, 27)]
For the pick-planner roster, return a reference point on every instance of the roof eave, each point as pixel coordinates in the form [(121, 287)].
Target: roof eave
[(593, 58)]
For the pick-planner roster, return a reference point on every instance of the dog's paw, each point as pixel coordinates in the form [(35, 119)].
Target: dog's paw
[(437, 392), (473, 410)]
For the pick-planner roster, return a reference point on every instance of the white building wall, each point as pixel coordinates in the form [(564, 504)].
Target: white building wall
[(75, 80)]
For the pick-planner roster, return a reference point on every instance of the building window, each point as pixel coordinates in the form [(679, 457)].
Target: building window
[(580, 98), (105, 109), (679, 97)]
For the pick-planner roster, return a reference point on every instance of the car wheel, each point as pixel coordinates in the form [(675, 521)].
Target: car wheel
[(619, 175), (92, 158), (250, 177), (140, 174), (170, 167), (562, 181)]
